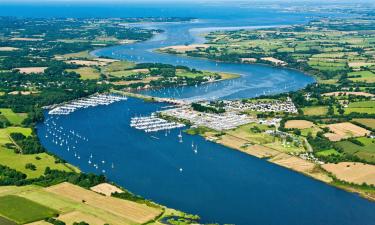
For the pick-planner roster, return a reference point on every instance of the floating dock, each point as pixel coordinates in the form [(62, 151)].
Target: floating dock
[(92, 101), (153, 124)]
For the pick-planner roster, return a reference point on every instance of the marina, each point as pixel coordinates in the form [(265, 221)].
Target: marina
[(91, 101), (223, 121), (189, 173), (153, 124)]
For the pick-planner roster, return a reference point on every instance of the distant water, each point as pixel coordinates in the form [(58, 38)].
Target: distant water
[(255, 80), (220, 184)]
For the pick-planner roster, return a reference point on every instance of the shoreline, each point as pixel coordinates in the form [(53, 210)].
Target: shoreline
[(320, 175)]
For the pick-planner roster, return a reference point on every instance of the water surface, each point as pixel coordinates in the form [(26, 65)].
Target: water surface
[(220, 184)]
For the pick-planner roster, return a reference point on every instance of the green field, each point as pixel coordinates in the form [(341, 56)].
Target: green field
[(86, 73), (118, 66), (362, 76), (328, 152), (12, 117), (361, 107), (315, 110), (18, 161), (366, 152), (367, 122), (246, 132), (79, 55), (21, 210)]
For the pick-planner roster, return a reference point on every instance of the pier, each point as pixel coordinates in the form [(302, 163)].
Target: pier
[(153, 124), (92, 101)]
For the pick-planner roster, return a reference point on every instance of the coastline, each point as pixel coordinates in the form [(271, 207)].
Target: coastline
[(279, 158)]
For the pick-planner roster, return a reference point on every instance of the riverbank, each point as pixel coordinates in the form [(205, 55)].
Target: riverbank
[(291, 162)]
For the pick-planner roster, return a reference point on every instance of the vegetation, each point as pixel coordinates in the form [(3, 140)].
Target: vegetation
[(22, 210)]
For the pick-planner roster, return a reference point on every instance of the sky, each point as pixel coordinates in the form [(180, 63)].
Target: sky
[(135, 1)]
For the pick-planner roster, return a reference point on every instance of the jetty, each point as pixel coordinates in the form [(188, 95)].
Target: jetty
[(153, 124), (91, 101)]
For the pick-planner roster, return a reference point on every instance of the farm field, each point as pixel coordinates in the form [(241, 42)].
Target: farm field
[(29, 70), (362, 76), (367, 122), (12, 117), (366, 152), (361, 107), (66, 200), (129, 211), (352, 172), (117, 66), (251, 135), (299, 124), (21, 210), (86, 73), (341, 131), (315, 110), (18, 161), (328, 152)]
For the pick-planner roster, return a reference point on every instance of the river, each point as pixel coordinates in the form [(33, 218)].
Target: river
[(219, 184)]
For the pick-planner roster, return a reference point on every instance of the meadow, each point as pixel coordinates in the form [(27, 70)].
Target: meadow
[(18, 161), (21, 210), (366, 152), (12, 117)]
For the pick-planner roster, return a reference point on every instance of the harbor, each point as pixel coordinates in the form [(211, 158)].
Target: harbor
[(91, 101), (194, 169), (153, 123)]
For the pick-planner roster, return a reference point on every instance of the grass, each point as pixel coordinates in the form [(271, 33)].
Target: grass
[(313, 130), (245, 132), (315, 110), (23, 130), (366, 152), (364, 76), (328, 152), (118, 66), (21, 210), (70, 209), (40, 160), (81, 55), (361, 107), (367, 122), (18, 161), (86, 73), (12, 117)]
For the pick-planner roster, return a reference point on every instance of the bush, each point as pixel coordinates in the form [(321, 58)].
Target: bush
[(30, 166)]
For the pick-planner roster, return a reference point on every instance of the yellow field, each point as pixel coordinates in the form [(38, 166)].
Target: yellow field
[(345, 130), (106, 189), (130, 211), (352, 172), (28, 70), (315, 110), (86, 62), (298, 124), (67, 199), (367, 122)]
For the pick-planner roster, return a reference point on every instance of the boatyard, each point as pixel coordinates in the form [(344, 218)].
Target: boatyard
[(92, 101)]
